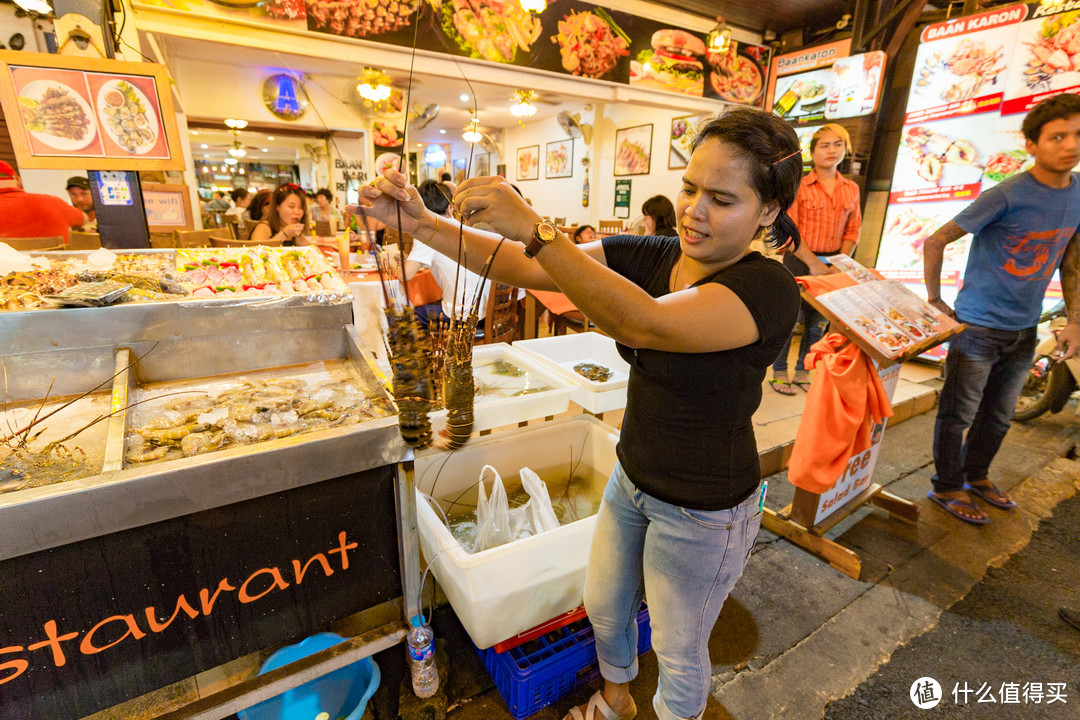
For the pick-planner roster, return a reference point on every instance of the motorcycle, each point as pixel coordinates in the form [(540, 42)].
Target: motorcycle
[(1049, 383)]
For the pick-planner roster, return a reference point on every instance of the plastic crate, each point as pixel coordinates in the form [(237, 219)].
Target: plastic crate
[(534, 675)]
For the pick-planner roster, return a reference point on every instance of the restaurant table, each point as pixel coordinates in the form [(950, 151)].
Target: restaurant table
[(369, 303), (554, 302)]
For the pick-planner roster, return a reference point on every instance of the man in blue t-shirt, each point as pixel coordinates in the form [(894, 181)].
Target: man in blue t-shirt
[(1024, 229)]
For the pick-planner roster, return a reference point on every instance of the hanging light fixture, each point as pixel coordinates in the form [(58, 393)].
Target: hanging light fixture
[(536, 6), (375, 86), (523, 108), (235, 124), (472, 133), (720, 36), (237, 150)]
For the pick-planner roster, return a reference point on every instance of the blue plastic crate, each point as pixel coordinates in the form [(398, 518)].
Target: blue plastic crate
[(534, 675)]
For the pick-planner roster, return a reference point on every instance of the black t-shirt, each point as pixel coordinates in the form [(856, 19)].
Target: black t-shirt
[(687, 436)]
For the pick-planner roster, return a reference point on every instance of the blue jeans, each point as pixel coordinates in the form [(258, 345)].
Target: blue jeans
[(984, 374), (814, 325), (686, 562)]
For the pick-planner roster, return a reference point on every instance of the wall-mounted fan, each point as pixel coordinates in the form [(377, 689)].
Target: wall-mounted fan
[(488, 144), (423, 117), (574, 127), (315, 153)]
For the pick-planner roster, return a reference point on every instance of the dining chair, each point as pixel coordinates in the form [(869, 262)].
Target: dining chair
[(35, 243), (248, 226), (218, 241), (161, 240), (84, 241), (194, 238), (323, 229), (501, 317), (232, 224), (610, 227)]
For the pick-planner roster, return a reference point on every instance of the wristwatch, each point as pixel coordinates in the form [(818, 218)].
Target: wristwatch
[(543, 233)]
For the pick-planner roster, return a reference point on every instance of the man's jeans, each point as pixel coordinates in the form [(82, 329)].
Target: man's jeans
[(984, 374)]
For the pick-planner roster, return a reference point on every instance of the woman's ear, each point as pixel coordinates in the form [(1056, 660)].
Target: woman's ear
[(769, 211)]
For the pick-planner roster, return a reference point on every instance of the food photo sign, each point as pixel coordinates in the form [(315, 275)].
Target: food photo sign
[(633, 150), (560, 159), (825, 83), (86, 113), (975, 79), (528, 163)]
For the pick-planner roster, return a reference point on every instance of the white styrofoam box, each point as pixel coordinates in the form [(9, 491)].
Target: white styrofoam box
[(495, 412), (563, 352), (500, 592)]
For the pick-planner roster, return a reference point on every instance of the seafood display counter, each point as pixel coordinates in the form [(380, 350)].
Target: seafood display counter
[(185, 483)]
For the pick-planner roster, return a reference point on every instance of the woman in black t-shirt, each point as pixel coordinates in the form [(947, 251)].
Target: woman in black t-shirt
[(699, 317)]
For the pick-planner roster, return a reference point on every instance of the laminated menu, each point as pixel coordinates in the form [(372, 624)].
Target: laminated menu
[(884, 313)]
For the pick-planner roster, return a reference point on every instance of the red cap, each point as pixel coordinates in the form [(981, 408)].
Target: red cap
[(6, 170)]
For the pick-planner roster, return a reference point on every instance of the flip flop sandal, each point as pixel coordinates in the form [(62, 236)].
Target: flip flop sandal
[(598, 704), (782, 387), (950, 506), (803, 385), (986, 492)]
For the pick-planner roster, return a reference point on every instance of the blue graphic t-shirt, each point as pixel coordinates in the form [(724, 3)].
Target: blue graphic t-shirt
[(1021, 229)]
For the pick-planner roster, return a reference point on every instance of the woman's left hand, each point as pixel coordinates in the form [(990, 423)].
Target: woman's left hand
[(492, 200)]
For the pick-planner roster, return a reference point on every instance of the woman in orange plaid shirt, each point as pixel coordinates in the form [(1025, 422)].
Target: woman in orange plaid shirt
[(826, 211)]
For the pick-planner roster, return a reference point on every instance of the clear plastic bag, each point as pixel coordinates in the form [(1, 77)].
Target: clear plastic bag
[(498, 523)]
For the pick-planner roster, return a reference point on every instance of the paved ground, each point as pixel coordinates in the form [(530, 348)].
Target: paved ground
[(796, 634)]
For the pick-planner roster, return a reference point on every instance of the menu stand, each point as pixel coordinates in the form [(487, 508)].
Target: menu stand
[(810, 515)]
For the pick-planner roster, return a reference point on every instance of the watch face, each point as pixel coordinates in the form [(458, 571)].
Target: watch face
[(545, 231)]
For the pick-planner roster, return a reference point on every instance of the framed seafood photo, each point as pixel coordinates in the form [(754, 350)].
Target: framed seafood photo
[(559, 159), (76, 113), (528, 163), (633, 150)]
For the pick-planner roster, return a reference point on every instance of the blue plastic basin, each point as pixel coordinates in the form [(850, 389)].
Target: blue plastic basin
[(343, 693)]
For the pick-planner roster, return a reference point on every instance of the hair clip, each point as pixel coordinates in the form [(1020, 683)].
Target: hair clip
[(788, 156)]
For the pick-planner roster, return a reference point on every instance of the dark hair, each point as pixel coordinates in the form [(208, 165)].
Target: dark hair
[(435, 195), (1058, 107), (774, 160), (325, 192), (660, 209), (281, 192), (259, 203), (444, 177), (581, 229), (238, 194)]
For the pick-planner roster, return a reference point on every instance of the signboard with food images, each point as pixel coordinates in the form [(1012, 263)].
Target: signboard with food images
[(86, 113), (975, 78), (683, 131), (633, 150), (825, 83), (672, 60), (738, 75)]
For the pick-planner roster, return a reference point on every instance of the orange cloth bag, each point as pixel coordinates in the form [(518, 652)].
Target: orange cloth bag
[(845, 400)]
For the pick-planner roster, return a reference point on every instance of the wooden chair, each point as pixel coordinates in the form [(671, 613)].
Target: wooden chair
[(159, 240), (323, 229), (218, 241), (232, 224), (35, 243), (570, 320), (559, 221), (610, 227), (194, 238), (84, 241), (248, 226), (501, 318)]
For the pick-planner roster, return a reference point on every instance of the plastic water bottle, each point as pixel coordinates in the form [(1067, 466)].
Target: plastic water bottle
[(421, 644)]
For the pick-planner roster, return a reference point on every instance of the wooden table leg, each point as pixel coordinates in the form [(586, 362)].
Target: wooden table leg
[(532, 319)]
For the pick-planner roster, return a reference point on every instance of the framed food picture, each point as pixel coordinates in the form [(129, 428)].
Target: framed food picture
[(633, 150), (683, 131), (528, 163), (560, 159), (482, 165), (76, 113)]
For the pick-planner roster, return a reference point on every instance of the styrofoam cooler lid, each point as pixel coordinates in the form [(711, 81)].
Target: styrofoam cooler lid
[(561, 353)]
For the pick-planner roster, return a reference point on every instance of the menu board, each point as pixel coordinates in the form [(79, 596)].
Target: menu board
[(568, 37), (82, 113), (883, 313), (975, 78), (824, 83)]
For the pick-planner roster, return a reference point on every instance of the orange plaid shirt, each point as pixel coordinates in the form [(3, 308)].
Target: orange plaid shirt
[(825, 221)]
